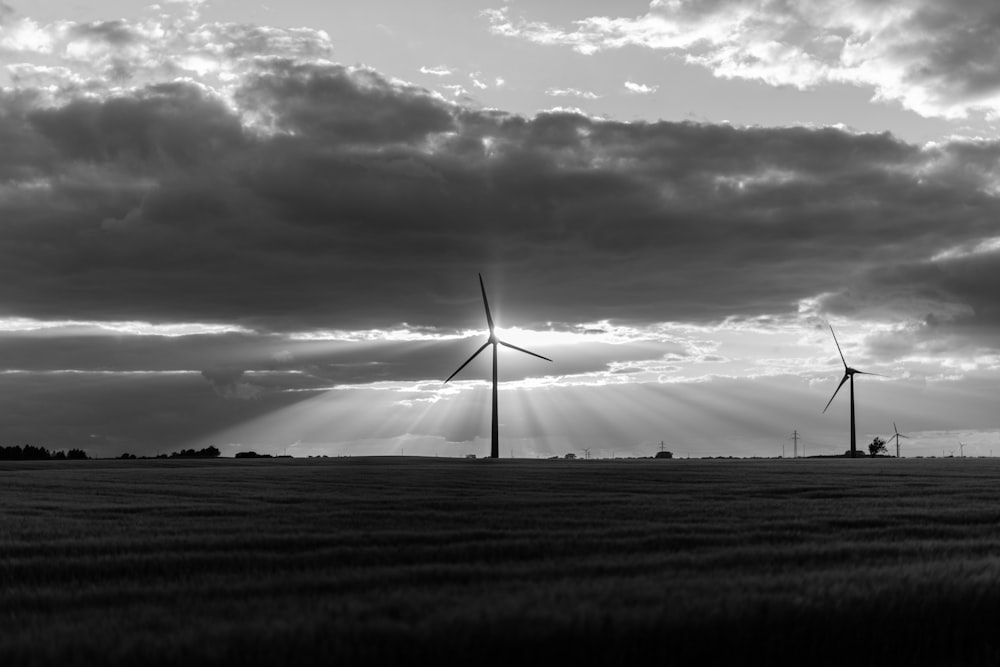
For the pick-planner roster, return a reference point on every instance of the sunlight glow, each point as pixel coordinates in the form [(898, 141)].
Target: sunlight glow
[(586, 332), (134, 328), (404, 334), (985, 246)]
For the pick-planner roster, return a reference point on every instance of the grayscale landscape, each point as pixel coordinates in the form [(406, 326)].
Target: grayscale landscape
[(499, 332)]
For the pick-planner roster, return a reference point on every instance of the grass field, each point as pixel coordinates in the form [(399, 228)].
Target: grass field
[(388, 560)]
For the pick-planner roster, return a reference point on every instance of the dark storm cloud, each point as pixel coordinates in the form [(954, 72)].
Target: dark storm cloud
[(25, 155), (165, 126), (337, 107), (231, 383), (332, 197)]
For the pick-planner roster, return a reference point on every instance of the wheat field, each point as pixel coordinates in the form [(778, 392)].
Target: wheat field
[(384, 560)]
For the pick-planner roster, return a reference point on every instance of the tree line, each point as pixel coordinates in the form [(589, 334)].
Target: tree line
[(32, 453), (206, 453)]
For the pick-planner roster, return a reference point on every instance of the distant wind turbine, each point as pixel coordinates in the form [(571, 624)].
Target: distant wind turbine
[(494, 341), (961, 446), (897, 435), (849, 374)]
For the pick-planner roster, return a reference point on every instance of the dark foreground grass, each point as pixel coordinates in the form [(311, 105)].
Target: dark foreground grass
[(393, 560)]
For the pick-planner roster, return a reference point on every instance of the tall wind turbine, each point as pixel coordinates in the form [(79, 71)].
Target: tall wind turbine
[(897, 435), (849, 374), (494, 341)]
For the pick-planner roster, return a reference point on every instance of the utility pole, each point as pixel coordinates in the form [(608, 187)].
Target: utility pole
[(662, 447), (795, 437)]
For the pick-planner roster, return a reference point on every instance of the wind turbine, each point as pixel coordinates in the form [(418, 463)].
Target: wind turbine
[(494, 341), (961, 446), (849, 374), (897, 435)]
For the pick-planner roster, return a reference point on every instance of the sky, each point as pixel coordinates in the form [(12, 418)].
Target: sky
[(259, 227)]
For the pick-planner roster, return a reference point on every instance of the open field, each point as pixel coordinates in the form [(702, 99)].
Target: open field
[(386, 560)]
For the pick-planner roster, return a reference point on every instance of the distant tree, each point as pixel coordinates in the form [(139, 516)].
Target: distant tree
[(877, 446), (32, 453), (664, 455), (207, 453), (77, 454), (126, 455), (251, 455), (59, 456)]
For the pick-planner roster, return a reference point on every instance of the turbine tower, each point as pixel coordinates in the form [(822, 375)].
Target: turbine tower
[(849, 374), (897, 435), (494, 341)]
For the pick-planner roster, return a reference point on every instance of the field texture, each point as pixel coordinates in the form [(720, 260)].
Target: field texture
[(392, 560)]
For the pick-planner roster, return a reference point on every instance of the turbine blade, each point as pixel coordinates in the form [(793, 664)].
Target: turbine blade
[(474, 355), (867, 373), (903, 436), (894, 427), (489, 318), (521, 349), (846, 375), (838, 346)]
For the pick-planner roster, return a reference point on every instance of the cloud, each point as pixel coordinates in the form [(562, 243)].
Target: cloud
[(572, 92), (640, 88), (227, 383), (237, 214), (456, 89), (440, 70), (355, 106), (299, 194), (102, 56), (933, 59)]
